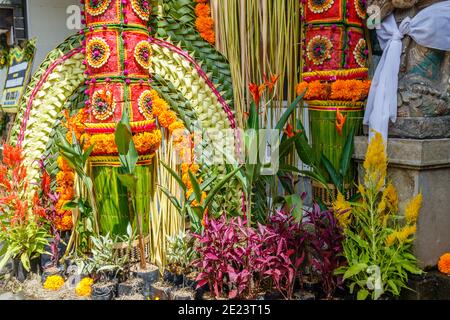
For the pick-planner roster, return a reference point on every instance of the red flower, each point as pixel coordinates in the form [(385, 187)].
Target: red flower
[(12, 156), (45, 183), (290, 132)]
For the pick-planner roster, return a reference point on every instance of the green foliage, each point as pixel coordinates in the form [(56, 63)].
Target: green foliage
[(86, 222), (323, 169), (25, 241), (378, 242), (213, 186), (252, 177), (104, 260), (181, 252)]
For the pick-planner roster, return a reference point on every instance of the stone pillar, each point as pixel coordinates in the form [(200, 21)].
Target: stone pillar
[(421, 166)]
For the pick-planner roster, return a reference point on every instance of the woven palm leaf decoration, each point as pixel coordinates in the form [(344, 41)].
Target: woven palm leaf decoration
[(185, 71)]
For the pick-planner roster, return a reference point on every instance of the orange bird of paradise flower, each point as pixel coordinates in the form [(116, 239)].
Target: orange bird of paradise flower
[(290, 132), (270, 84), (340, 121), (256, 92)]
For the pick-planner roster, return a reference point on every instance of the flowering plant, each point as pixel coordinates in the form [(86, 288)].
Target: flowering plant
[(377, 246), (21, 217), (444, 264)]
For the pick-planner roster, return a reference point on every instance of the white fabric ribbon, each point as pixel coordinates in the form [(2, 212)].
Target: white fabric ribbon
[(429, 28)]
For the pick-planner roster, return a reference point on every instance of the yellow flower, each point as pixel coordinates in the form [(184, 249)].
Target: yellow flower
[(84, 287), (404, 234), (413, 208), (444, 264), (342, 209), (375, 163), (391, 239), (54, 283), (391, 196)]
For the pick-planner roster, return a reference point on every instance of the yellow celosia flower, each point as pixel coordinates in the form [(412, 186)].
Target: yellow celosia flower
[(342, 209), (405, 233), (413, 208), (84, 287), (391, 196), (375, 163), (54, 283), (391, 239)]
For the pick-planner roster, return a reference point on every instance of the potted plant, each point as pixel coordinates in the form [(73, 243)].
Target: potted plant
[(104, 265), (180, 255), (23, 235)]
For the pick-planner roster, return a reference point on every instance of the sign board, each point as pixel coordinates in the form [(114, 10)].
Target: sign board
[(17, 78)]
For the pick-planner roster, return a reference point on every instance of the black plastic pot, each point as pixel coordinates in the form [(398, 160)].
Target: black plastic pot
[(158, 291), (130, 288), (102, 292), (149, 276), (19, 271), (51, 271), (183, 295)]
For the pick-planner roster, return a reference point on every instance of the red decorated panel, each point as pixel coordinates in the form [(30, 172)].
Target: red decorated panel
[(356, 12), (137, 12), (96, 40), (139, 110), (324, 48), (357, 49), (136, 41), (101, 12), (106, 102), (323, 11)]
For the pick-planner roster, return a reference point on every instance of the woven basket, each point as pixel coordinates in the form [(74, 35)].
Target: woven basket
[(319, 192), (134, 255)]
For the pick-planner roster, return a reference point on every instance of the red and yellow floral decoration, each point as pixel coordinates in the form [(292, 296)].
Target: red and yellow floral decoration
[(335, 57)]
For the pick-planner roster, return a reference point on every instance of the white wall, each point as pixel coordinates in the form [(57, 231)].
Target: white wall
[(47, 23)]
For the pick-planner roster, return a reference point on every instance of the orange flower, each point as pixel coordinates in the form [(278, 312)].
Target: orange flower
[(256, 92), (301, 87), (270, 84), (159, 107), (167, 118), (340, 121), (62, 164), (444, 264), (317, 90), (204, 23), (177, 125), (202, 10), (350, 90), (12, 156)]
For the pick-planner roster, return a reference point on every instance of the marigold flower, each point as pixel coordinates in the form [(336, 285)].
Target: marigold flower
[(444, 264), (63, 165), (54, 283), (302, 87), (84, 287), (167, 118)]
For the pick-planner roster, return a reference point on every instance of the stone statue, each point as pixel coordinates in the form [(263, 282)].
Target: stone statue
[(424, 80)]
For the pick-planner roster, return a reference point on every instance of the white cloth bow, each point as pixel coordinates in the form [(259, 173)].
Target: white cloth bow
[(429, 28)]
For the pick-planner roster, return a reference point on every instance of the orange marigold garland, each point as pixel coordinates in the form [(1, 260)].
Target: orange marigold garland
[(204, 23), (342, 90)]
